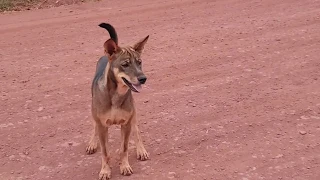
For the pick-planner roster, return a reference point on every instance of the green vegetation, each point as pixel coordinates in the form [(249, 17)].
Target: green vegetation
[(8, 5)]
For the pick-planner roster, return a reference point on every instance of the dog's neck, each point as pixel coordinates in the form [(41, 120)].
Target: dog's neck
[(116, 92)]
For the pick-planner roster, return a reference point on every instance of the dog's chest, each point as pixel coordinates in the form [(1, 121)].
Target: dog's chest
[(116, 116)]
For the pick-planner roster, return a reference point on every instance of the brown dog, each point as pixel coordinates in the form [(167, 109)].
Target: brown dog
[(118, 73)]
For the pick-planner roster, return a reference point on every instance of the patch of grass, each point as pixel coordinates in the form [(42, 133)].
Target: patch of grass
[(9, 5), (6, 5), (20, 5)]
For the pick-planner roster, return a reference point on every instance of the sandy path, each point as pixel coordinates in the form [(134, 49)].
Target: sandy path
[(232, 91)]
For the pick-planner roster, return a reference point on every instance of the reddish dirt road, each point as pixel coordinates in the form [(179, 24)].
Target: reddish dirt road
[(232, 91)]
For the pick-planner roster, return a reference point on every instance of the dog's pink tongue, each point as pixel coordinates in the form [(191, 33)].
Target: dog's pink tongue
[(137, 87)]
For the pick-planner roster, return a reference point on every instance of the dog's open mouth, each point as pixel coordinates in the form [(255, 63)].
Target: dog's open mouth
[(133, 87)]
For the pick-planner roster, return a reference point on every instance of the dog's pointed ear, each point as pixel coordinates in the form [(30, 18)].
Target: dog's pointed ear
[(140, 45), (110, 47)]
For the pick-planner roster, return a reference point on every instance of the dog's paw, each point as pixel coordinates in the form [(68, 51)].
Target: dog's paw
[(92, 148), (142, 154), (105, 174), (125, 169)]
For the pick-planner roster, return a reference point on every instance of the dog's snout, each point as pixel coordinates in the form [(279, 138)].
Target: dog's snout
[(142, 79)]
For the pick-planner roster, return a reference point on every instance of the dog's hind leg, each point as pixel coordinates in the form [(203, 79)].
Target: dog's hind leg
[(142, 154), (105, 172), (94, 140), (125, 168)]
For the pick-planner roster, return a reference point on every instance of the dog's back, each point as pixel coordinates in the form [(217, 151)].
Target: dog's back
[(101, 66)]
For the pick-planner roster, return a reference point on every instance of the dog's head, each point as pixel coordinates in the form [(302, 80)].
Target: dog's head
[(126, 63)]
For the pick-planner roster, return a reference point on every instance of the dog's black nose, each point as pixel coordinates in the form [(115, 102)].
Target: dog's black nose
[(142, 79)]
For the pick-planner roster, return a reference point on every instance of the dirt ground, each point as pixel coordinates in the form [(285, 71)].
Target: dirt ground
[(233, 89)]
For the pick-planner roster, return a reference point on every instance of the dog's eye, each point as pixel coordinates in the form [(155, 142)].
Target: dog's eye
[(139, 63), (125, 65)]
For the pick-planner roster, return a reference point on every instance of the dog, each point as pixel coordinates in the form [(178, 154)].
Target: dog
[(118, 74)]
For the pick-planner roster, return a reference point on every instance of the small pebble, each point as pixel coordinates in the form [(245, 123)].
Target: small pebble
[(40, 109), (303, 132)]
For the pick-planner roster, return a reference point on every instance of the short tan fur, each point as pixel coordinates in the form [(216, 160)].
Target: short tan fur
[(118, 73)]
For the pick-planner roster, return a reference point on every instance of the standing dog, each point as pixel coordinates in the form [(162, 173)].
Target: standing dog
[(118, 73)]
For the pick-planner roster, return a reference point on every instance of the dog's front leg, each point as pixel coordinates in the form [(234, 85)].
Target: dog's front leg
[(142, 153), (93, 143), (105, 172), (125, 168)]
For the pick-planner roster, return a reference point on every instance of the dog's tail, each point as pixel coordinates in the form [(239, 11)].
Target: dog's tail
[(111, 30)]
